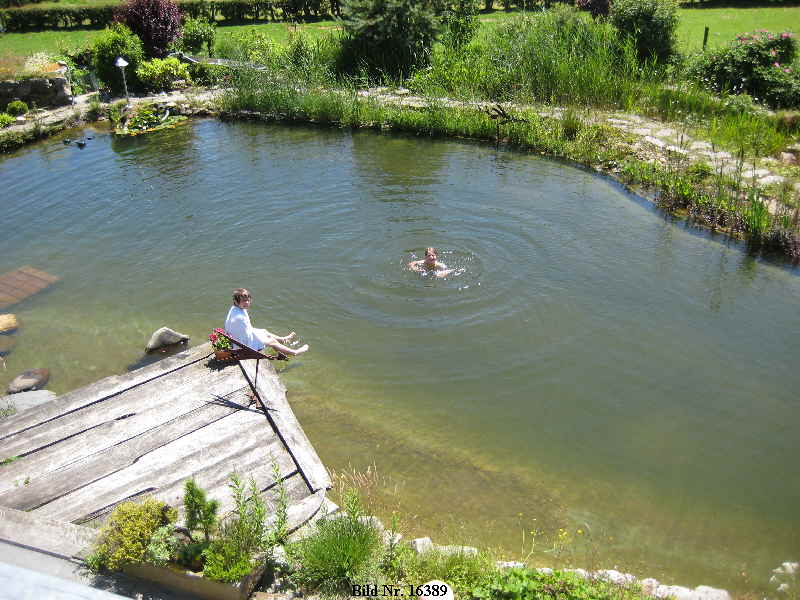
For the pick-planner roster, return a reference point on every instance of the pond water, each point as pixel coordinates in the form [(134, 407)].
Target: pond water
[(594, 366)]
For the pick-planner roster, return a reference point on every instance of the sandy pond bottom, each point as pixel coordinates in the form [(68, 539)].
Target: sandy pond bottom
[(595, 367)]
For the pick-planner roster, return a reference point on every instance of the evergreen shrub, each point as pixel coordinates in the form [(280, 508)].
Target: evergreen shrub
[(387, 37), (651, 23), (116, 41), (17, 108), (5, 121)]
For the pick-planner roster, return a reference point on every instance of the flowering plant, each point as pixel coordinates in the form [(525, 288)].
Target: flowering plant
[(219, 340)]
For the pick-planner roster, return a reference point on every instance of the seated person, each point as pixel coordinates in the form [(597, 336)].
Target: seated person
[(430, 265), (237, 324)]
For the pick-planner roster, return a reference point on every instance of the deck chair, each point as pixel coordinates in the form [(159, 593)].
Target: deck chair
[(245, 352)]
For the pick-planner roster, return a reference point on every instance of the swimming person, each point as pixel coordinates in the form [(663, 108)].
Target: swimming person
[(430, 265), (237, 323)]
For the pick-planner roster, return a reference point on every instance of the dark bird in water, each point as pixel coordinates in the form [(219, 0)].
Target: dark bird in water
[(67, 141), (91, 137), (80, 143)]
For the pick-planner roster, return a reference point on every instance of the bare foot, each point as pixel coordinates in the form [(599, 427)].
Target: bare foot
[(286, 338), (301, 349)]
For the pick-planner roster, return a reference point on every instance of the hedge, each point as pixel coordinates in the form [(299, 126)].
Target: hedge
[(32, 18)]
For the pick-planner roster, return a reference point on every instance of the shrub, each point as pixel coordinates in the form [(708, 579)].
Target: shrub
[(598, 8), (651, 23), (159, 74), (207, 75), (340, 552), (756, 64), (128, 532), (388, 37), (156, 22), (196, 34), (116, 41), (17, 108), (460, 24), (522, 584), (5, 121), (162, 546), (200, 512), (244, 533)]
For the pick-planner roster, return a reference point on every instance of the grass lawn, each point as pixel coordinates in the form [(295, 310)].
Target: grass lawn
[(724, 24)]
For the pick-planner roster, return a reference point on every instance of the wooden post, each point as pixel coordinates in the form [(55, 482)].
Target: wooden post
[(705, 38)]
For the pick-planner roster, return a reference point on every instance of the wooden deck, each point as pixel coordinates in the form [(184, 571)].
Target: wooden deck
[(145, 433), (17, 285)]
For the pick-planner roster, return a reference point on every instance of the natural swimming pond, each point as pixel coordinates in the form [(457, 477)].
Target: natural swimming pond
[(595, 367)]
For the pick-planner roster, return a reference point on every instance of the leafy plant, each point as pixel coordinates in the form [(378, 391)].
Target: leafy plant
[(126, 536), (9, 460), (196, 34), (16, 108), (117, 41), (156, 22), (219, 340), (200, 512), (460, 24), (650, 23), (758, 64), (160, 74), (522, 584), (340, 552), (162, 546), (144, 117)]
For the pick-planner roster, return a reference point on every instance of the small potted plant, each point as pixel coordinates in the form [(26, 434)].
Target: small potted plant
[(221, 343)]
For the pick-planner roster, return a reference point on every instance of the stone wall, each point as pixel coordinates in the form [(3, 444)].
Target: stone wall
[(42, 91)]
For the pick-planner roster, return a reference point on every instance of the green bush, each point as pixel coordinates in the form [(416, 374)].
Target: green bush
[(340, 552), (5, 121), (159, 74), (128, 533), (196, 34), (651, 23), (200, 512), (243, 534), (116, 41), (17, 108), (387, 37), (207, 75), (162, 546), (758, 64), (460, 24), (524, 584)]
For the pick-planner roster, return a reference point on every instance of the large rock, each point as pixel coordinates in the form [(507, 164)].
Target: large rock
[(165, 337), (8, 323), (32, 379), (7, 343), (25, 400)]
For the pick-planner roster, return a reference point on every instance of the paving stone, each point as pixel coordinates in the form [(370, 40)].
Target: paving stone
[(770, 179), (697, 145), (642, 131)]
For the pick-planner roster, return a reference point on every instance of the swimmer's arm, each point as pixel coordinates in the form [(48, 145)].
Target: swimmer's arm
[(416, 265)]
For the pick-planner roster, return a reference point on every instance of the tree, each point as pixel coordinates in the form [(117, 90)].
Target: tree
[(156, 22), (389, 37)]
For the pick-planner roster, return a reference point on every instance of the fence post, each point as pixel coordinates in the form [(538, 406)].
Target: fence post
[(705, 38)]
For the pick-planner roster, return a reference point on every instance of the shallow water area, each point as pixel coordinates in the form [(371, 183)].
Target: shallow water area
[(594, 366)]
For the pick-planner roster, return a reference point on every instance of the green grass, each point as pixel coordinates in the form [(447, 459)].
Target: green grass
[(726, 23)]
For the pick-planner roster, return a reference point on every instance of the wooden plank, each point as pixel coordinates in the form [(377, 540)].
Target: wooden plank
[(280, 413), (46, 277), (169, 463), (99, 391), (49, 483), (135, 408)]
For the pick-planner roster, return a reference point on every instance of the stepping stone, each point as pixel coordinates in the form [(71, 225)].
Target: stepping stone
[(31, 379), (8, 323), (165, 337), (666, 133), (700, 146), (770, 179), (25, 400), (642, 131), (757, 172)]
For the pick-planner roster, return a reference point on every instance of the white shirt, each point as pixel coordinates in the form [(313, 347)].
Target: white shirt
[(237, 323)]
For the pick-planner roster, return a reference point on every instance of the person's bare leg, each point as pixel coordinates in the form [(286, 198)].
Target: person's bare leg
[(286, 350)]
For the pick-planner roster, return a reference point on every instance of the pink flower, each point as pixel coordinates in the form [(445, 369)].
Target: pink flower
[(787, 70), (218, 330), (213, 337), (785, 35), (773, 53), (777, 64)]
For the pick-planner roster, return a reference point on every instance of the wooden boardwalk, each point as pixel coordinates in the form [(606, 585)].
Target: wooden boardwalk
[(143, 434), (17, 285)]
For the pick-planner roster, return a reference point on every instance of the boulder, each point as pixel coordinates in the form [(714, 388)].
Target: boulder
[(509, 564), (463, 550), (25, 400), (615, 576), (32, 379), (165, 337), (8, 322), (7, 343), (788, 158), (649, 586), (704, 592)]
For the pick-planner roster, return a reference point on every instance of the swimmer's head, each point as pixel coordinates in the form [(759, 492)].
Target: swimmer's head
[(430, 253)]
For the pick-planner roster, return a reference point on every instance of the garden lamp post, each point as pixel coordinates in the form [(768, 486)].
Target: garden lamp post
[(122, 63)]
